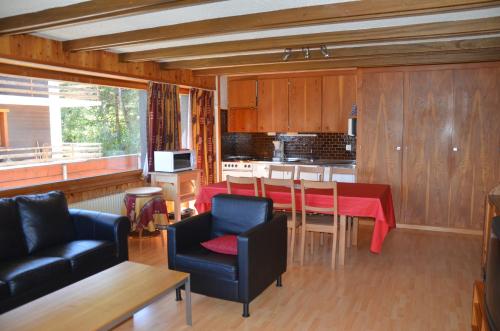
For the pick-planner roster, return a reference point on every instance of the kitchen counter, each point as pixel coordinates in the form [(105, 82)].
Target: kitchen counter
[(348, 164)]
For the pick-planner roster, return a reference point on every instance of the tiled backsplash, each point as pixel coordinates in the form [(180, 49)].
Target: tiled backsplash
[(259, 145)]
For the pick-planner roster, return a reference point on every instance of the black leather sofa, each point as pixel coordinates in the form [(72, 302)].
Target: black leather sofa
[(262, 248), (44, 246)]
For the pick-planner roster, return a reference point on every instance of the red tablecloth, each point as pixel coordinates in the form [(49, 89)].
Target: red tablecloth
[(355, 199)]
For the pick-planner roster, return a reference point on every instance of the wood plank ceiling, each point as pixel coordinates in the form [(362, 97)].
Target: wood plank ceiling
[(245, 37)]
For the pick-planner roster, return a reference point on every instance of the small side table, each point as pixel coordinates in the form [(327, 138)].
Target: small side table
[(182, 186), (146, 208)]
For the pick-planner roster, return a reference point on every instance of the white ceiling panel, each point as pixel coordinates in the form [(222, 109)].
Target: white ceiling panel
[(178, 15), (11, 7), (457, 16)]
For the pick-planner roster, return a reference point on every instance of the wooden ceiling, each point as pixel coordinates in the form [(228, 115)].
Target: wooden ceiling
[(246, 37)]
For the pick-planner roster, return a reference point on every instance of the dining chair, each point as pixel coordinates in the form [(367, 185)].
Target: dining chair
[(289, 207), (287, 172), (324, 219), (242, 180), (311, 173)]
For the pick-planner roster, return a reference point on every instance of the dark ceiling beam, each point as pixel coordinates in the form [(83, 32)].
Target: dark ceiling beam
[(395, 33), (85, 12), (349, 52), (361, 62), (331, 13)]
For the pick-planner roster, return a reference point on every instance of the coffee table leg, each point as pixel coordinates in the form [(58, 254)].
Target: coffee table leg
[(187, 287)]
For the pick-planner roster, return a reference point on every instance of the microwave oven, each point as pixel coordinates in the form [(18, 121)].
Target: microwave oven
[(172, 161)]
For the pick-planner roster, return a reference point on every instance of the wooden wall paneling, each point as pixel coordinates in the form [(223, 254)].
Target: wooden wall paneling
[(273, 105), (428, 123), (305, 104), (339, 94), (242, 93), (242, 120), (380, 131), (476, 135)]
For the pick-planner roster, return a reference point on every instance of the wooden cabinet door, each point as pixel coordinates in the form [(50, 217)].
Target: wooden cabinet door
[(428, 123), (273, 105), (304, 111), (242, 120), (242, 93), (339, 94), (380, 132), (476, 137)]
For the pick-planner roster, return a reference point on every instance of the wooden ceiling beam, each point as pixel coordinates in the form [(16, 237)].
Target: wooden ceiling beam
[(361, 62), (255, 59), (87, 11), (331, 13), (395, 33)]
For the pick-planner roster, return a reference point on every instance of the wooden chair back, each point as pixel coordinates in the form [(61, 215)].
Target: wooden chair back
[(242, 180), (317, 172), (287, 183), (327, 186), (285, 170)]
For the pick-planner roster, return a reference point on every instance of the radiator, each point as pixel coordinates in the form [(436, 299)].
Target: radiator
[(107, 204)]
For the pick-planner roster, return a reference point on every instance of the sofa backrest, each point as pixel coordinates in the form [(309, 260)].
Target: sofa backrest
[(45, 220), (234, 214), (12, 241)]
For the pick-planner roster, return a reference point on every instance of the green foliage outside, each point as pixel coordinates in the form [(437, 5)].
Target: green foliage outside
[(114, 124)]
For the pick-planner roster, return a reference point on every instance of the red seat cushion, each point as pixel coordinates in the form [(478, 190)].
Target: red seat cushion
[(227, 244)]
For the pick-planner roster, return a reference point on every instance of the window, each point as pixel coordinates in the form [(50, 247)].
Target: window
[(53, 130), (186, 140)]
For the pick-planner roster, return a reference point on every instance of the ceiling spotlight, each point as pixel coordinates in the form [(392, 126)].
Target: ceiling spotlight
[(307, 53), (286, 54), (324, 51)]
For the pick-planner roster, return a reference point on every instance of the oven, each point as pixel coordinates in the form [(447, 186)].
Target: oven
[(237, 169)]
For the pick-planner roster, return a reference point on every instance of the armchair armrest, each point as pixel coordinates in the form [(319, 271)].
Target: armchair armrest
[(262, 256), (103, 226), (187, 233)]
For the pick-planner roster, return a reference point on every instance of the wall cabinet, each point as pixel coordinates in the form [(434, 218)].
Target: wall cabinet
[(242, 120), (304, 111), (242, 103), (339, 94), (273, 105)]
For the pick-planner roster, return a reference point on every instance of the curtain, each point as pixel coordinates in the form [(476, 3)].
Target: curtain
[(202, 114), (164, 117)]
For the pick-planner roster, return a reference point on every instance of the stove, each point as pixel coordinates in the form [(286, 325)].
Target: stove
[(237, 166)]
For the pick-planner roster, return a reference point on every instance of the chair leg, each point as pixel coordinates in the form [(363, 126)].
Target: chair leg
[(178, 296), (246, 310), (279, 282), (348, 230), (321, 239), (302, 245), (312, 242), (355, 222), (292, 244), (334, 247)]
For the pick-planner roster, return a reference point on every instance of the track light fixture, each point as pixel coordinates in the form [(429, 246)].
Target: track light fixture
[(306, 52), (324, 51), (286, 54)]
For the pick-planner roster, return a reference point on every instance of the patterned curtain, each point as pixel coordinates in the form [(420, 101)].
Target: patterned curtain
[(164, 120), (202, 112)]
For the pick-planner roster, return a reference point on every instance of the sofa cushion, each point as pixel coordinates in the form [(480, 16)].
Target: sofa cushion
[(227, 244), (234, 214), (4, 290), (45, 220), (26, 273), (12, 241), (202, 261), (83, 255)]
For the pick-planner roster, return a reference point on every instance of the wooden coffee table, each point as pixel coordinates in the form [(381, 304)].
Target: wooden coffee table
[(101, 301)]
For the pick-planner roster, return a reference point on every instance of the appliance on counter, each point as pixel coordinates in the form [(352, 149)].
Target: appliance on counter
[(172, 161), (279, 150), (236, 168), (492, 285), (352, 121)]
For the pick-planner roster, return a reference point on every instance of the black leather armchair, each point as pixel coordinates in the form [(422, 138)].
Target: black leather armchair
[(262, 249)]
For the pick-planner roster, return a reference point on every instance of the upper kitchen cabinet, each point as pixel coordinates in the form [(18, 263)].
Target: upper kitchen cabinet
[(339, 94), (304, 104), (242, 93), (273, 105)]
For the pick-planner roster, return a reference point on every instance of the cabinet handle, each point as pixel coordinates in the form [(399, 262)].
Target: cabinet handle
[(455, 148)]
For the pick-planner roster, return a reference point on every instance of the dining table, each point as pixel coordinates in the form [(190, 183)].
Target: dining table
[(354, 200)]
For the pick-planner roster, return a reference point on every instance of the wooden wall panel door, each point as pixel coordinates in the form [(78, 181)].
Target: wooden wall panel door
[(242, 93), (380, 132), (428, 122), (242, 120), (273, 105), (339, 94), (476, 136), (304, 112)]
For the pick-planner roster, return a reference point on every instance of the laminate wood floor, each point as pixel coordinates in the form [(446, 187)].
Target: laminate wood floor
[(421, 281)]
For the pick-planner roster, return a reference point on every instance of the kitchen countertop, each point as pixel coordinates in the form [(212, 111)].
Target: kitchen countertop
[(348, 164)]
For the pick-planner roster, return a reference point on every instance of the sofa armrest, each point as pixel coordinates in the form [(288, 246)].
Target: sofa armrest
[(103, 226), (187, 233), (262, 256)]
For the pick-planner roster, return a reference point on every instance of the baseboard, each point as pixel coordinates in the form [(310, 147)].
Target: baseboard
[(431, 228)]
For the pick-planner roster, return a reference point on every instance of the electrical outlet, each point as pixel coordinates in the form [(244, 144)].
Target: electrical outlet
[(348, 147)]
